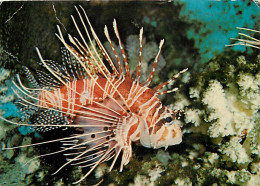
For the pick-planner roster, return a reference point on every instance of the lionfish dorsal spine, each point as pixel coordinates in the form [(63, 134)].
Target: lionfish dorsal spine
[(103, 69), (114, 51), (107, 110), (150, 77), (159, 87), (138, 69), (99, 62), (122, 49)]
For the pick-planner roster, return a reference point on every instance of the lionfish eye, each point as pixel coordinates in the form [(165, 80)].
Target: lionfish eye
[(168, 119)]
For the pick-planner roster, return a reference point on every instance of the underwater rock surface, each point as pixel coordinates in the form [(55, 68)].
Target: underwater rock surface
[(221, 143)]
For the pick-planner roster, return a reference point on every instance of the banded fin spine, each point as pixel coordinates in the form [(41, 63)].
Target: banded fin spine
[(249, 41)]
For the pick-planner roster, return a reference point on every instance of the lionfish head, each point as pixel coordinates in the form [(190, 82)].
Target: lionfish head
[(164, 132)]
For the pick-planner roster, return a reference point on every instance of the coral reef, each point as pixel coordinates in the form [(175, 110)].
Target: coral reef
[(221, 140), (7, 106), (221, 103), (224, 105), (16, 172)]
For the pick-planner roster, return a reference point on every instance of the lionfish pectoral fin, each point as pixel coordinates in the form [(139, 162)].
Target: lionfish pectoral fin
[(48, 119), (95, 144), (144, 135)]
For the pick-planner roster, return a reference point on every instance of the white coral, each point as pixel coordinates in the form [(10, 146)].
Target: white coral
[(254, 180), (249, 87), (193, 116), (141, 180), (183, 181), (230, 114), (238, 177), (155, 173), (101, 170), (194, 92), (4, 74), (233, 151), (247, 82), (216, 100), (213, 158)]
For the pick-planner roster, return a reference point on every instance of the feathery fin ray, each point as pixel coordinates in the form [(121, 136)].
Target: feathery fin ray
[(83, 61)]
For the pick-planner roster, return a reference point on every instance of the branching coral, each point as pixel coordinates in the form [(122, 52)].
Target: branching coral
[(224, 102), (218, 109), (233, 151), (230, 110)]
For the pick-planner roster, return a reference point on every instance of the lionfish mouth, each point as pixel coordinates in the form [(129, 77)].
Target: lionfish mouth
[(102, 102)]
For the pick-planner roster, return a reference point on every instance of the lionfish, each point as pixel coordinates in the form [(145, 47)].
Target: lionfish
[(107, 107)]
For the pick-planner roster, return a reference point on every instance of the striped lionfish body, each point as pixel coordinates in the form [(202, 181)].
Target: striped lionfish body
[(107, 107)]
